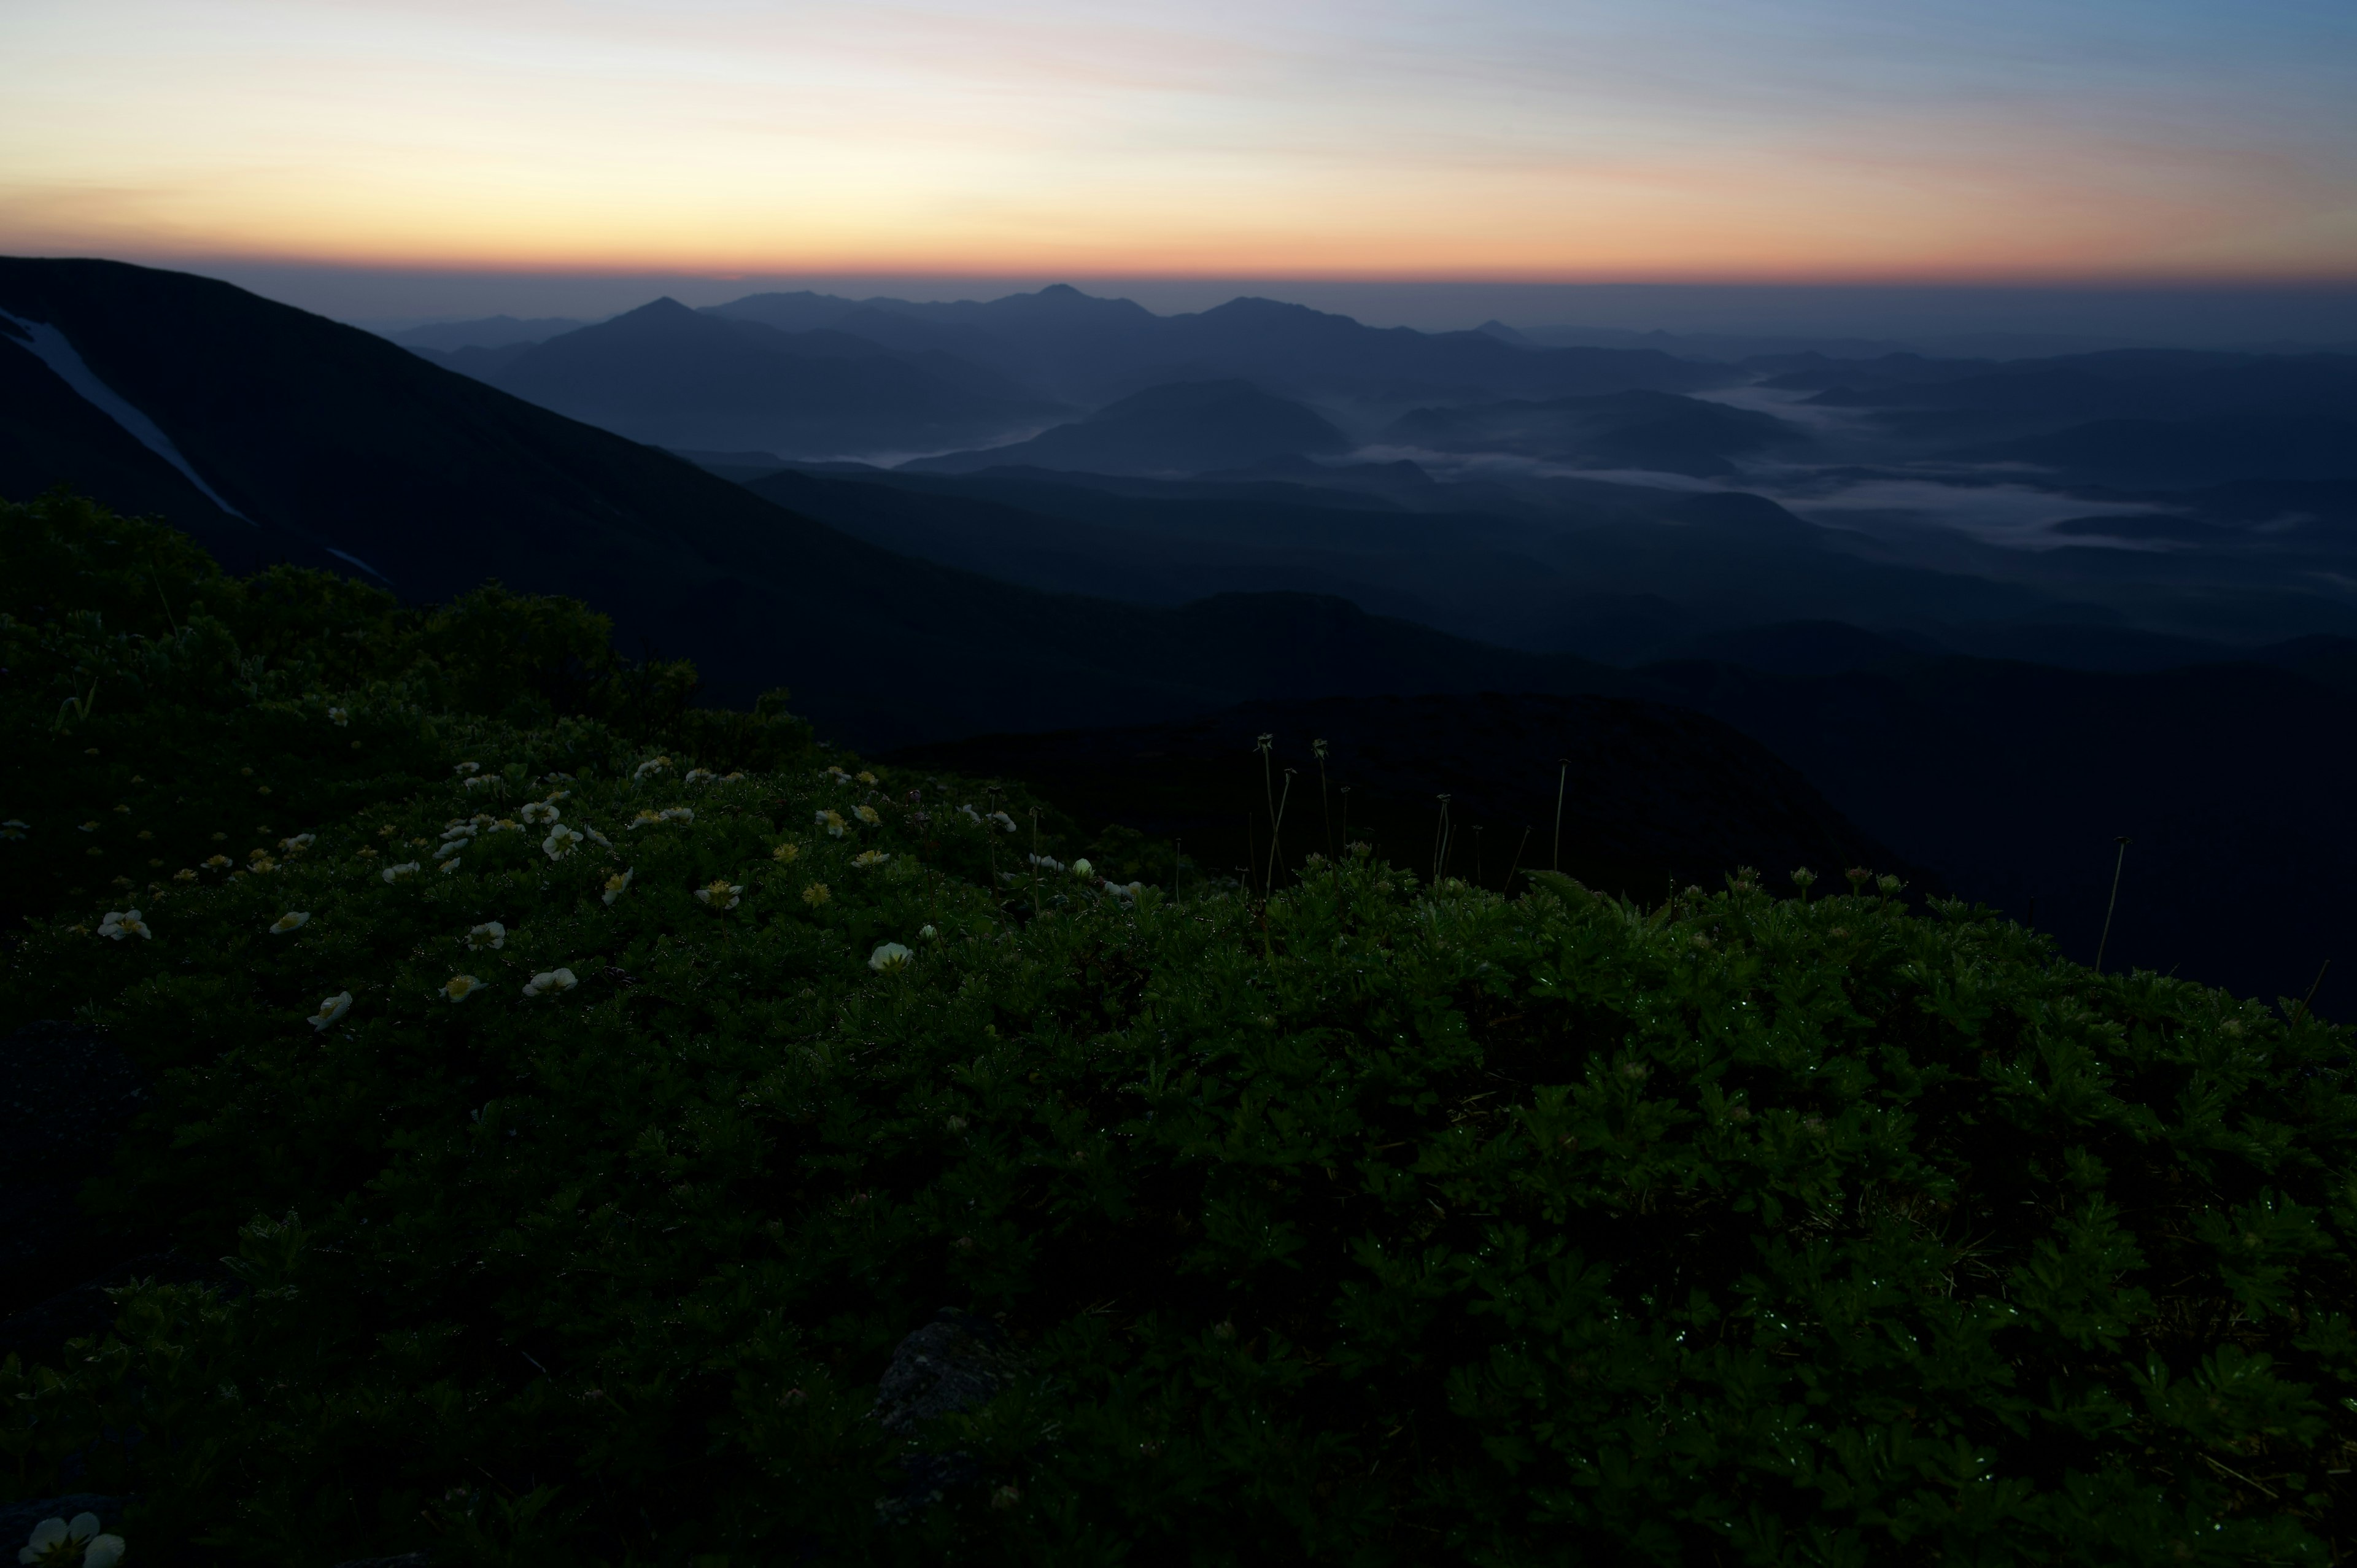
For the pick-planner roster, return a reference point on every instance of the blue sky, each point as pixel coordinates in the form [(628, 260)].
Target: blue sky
[(1774, 140)]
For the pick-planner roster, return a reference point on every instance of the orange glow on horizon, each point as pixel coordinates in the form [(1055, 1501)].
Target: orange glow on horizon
[(1692, 141)]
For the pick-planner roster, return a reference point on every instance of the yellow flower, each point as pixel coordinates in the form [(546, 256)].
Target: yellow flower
[(217, 863), (831, 821), (785, 854), (866, 814), (865, 777), (458, 987), (186, 874), (868, 858), (816, 894)]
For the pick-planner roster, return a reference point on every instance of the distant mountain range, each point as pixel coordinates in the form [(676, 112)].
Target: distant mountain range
[(1055, 599), (293, 438)]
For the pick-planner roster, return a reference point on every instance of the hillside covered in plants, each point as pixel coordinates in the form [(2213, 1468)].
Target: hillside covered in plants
[(587, 1096)]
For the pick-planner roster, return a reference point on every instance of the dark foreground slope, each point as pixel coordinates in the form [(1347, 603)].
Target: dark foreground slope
[(2014, 780), (1649, 793), (344, 447), (1371, 1223)]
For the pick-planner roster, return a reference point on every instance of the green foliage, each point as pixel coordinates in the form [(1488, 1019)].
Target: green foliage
[(1378, 1223), (161, 713)]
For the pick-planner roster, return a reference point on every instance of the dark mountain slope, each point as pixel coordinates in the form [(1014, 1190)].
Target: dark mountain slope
[(438, 482), (2013, 780), (673, 377), (1191, 427), (50, 436), (1660, 431)]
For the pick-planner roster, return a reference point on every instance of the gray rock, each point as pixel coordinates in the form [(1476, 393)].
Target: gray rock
[(956, 1362)]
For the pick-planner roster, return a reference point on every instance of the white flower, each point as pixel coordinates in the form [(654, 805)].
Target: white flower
[(556, 778), (869, 857), (837, 774), (560, 842), (458, 987), (15, 828), (331, 1009), (396, 873), (298, 844), (450, 865), (600, 840), (972, 815), (125, 923), (831, 821), (678, 814), (490, 934), (929, 933), (57, 1542), (700, 776), (293, 920), (339, 717), (888, 958), (645, 820), (720, 894), (1002, 819), (617, 885), (505, 825), (465, 768), (90, 827), (866, 778), (730, 778), (651, 765), (1081, 867), (866, 814), (1047, 863), (553, 980), (538, 812)]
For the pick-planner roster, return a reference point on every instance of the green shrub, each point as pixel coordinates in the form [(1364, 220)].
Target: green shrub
[(1378, 1223)]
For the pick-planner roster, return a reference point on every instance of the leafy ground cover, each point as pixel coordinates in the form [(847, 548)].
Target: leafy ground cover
[(585, 1112)]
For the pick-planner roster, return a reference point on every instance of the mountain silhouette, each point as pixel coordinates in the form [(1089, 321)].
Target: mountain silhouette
[(673, 377), (342, 449), (1089, 350)]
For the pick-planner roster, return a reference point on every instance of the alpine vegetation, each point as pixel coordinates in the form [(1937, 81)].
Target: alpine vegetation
[(773, 1179)]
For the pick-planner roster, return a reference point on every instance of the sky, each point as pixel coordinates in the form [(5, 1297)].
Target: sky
[(1511, 141)]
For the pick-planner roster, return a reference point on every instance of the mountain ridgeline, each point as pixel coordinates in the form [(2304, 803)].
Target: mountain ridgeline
[(1095, 519)]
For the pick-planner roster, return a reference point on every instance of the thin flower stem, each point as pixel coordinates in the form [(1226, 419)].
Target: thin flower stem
[(2117, 867), (1562, 777), (1276, 833)]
